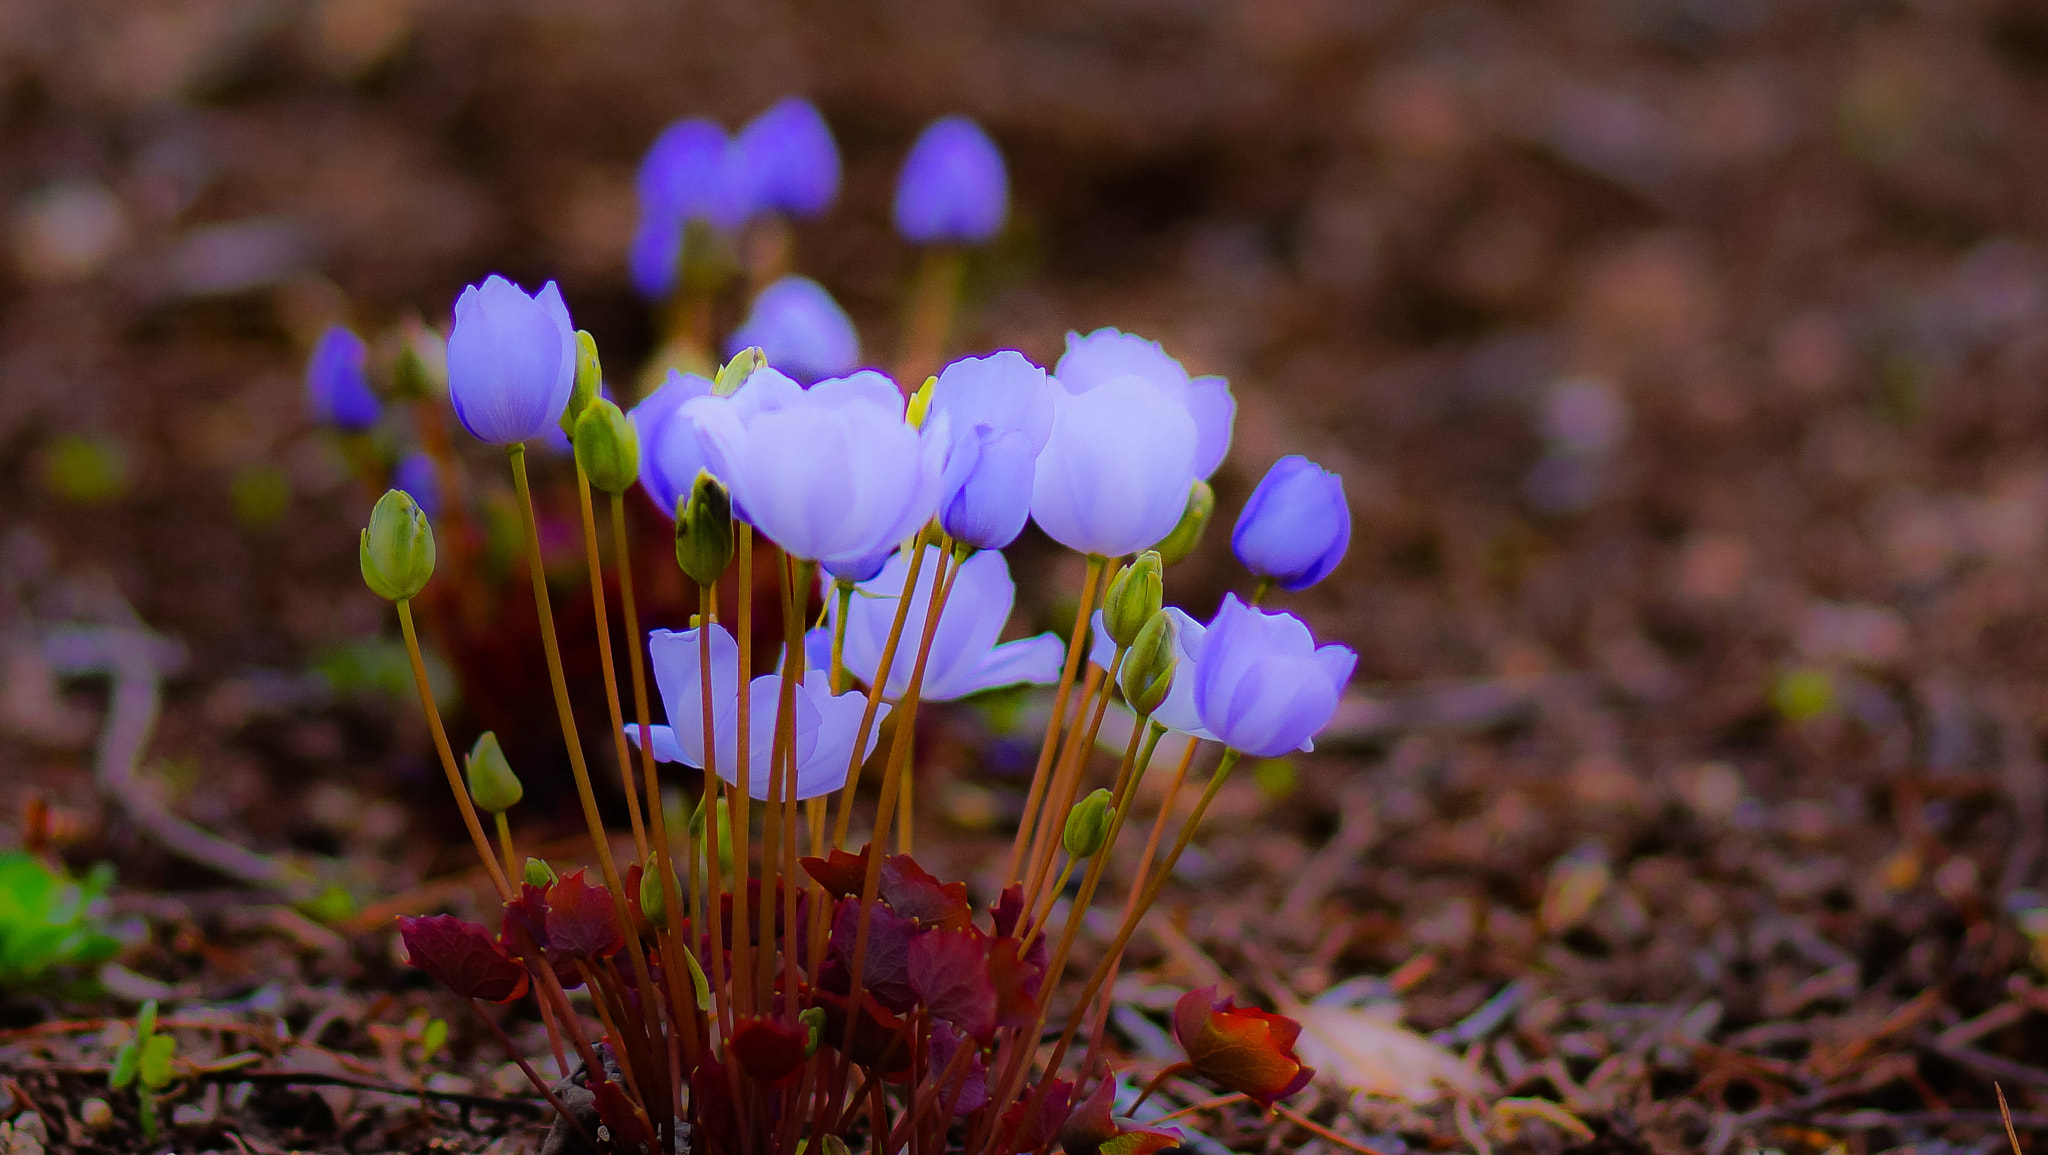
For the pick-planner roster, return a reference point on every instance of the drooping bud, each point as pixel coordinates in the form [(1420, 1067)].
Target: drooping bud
[(737, 370), (704, 530), (492, 785), (538, 873), (1088, 824), (397, 550), (1147, 672), (812, 1020), (589, 376), (1133, 598), (920, 403), (653, 895), (607, 446), (1193, 520)]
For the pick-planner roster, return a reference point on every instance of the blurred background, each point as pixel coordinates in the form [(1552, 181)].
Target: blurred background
[(1683, 360)]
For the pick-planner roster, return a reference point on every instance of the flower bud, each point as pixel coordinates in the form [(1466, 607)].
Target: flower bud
[(653, 895), (1147, 673), (1088, 824), (538, 873), (1193, 520), (738, 369), (419, 364), (812, 1020), (1133, 598), (920, 403), (397, 550), (492, 785), (589, 376), (607, 446), (704, 530)]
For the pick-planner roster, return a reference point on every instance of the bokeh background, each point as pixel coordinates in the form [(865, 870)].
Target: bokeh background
[(1683, 359)]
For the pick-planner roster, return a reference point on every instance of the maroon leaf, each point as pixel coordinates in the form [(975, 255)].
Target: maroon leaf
[(582, 920), (463, 956), (1042, 1124), (1016, 981), (841, 874), (769, 1051), (880, 1040), (524, 931), (912, 893), (622, 1117), (1240, 1049), (885, 971), (1008, 910), (1090, 1126), (969, 1087), (711, 1102), (949, 972)]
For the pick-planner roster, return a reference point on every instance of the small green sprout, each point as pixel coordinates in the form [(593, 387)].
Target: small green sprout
[(145, 1062)]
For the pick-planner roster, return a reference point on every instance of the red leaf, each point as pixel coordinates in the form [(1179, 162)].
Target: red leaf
[(463, 956), (1143, 1141), (880, 1040), (1016, 981), (524, 930), (949, 972), (968, 1087), (1091, 1129), (769, 1051), (885, 970), (622, 1117), (912, 893), (841, 874), (711, 1103), (1008, 910), (1240, 1049), (1045, 1122), (582, 920)]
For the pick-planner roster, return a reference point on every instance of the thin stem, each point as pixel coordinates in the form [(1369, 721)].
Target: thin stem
[(867, 718), (1180, 776), (844, 592), (1073, 762), (714, 916), (594, 562), (1076, 645), (934, 298), (532, 1076), (1259, 591), (441, 747), (741, 798), (505, 844), (905, 819)]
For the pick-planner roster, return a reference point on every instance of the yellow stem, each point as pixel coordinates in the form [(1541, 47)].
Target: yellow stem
[(441, 747), (1076, 646)]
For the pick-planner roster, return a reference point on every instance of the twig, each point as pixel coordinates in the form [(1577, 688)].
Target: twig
[(522, 1105), (1317, 1129), (2005, 1115)]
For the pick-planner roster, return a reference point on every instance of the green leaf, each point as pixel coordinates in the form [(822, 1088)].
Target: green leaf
[(433, 1038), (697, 980), (145, 1022), (125, 1063), (155, 1070)]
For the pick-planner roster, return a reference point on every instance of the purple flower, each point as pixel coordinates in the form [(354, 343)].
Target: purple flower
[(511, 361), (802, 330), (687, 175), (1177, 712), (1107, 354), (1262, 685), (671, 452), (415, 475), (785, 161), (825, 725), (832, 473), (1114, 475), (999, 413), (336, 385), (953, 186), (965, 657), (1296, 525)]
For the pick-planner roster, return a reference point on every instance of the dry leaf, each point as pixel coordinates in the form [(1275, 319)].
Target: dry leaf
[(1365, 1052)]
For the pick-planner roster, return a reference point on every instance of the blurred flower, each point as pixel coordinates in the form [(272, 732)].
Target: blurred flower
[(801, 328), (1262, 685), (784, 160), (830, 473), (953, 186), (1177, 712), (337, 386), (1296, 526), (670, 451), (999, 414), (687, 175), (511, 361), (964, 658), (825, 725), (1107, 354), (416, 476), (1114, 475)]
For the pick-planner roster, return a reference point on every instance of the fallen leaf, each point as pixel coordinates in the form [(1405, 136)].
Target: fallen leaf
[(1367, 1053)]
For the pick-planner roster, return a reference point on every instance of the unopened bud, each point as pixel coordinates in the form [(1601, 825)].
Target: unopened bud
[(538, 873), (607, 447), (419, 363), (813, 1022), (492, 785), (737, 370), (704, 530), (1193, 520), (921, 403), (1133, 598), (397, 550), (653, 895), (1147, 672), (589, 375), (1088, 824)]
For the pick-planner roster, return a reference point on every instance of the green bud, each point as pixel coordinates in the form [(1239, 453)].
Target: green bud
[(834, 1145), (419, 362), (653, 896), (704, 530), (1088, 824), (738, 369), (607, 447), (492, 785), (1133, 598), (921, 403), (589, 375), (397, 551), (538, 873), (813, 1022), (1147, 672), (1193, 520)]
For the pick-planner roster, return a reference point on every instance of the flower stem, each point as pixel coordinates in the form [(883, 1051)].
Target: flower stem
[(741, 798), (935, 296), (441, 747), (1076, 645), (1259, 591), (505, 844), (844, 819), (595, 564)]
